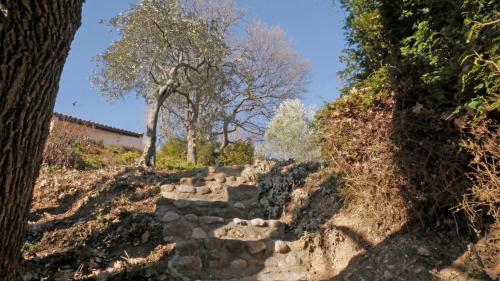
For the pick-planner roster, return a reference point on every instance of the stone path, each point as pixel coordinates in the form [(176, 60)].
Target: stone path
[(216, 223)]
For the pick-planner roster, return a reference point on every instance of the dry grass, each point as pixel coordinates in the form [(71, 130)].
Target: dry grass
[(397, 165)]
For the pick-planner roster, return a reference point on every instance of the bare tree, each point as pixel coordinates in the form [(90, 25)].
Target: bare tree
[(263, 71), (163, 44), (35, 37)]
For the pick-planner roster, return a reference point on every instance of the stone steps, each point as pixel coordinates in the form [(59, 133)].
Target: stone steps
[(219, 234)]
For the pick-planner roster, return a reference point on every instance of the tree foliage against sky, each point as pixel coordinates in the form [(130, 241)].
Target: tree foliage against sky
[(291, 134)]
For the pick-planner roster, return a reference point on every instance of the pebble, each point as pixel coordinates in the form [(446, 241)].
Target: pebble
[(239, 205), (388, 275), (145, 237), (185, 189), (239, 221), (170, 216), (220, 179), (167, 187), (187, 263), (281, 247), (211, 219), (239, 264), (198, 233), (186, 181), (423, 251), (181, 204), (191, 217), (203, 190), (255, 247), (258, 222)]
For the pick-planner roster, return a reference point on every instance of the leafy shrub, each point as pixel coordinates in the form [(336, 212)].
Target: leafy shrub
[(291, 134), (238, 153)]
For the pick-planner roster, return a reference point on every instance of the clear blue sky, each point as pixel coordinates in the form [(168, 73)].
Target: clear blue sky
[(314, 27)]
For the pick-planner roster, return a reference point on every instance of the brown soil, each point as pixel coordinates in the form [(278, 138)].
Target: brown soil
[(103, 225)]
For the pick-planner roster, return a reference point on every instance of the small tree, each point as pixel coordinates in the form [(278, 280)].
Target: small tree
[(290, 133)]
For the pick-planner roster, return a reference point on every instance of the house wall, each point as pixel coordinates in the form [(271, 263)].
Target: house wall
[(107, 137)]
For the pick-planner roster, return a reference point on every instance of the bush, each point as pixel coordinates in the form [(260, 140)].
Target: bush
[(291, 133), (239, 153), (61, 148)]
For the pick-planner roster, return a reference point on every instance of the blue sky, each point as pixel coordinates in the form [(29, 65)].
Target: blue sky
[(314, 27)]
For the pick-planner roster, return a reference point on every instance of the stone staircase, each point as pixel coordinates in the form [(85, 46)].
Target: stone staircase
[(216, 222)]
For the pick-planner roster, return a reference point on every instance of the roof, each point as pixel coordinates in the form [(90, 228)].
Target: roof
[(96, 125)]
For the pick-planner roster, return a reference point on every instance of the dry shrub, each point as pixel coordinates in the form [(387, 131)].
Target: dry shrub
[(356, 141), (400, 163), (481, 203), (61, 148)]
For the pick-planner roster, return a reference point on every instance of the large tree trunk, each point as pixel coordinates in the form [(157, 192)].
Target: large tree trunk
[(35, 37)]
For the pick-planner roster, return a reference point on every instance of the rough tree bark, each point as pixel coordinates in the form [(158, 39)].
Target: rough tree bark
[(149, 152), (35, 37)]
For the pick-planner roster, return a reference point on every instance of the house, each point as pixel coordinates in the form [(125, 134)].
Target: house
[(95, 131)]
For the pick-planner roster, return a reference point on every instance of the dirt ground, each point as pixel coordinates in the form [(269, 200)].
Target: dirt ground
[(100, 225)]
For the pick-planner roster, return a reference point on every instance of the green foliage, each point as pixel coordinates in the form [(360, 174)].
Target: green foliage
[(291, 133), (238, 153)]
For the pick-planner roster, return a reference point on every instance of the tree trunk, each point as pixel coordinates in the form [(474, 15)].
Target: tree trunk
[(191, 145), (35, 37), (149, 153)]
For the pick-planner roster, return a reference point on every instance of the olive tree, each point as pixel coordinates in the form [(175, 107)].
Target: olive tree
[(163, 44), (35, 37), (290, 133)]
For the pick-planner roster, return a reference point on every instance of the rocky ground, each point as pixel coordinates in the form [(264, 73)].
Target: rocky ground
[(270, 221)]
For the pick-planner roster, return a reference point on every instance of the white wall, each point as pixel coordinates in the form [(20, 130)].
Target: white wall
[(107, 137)]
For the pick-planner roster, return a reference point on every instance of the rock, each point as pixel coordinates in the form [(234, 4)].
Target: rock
[(218, 186), (170, 217), (198, 233), (167, 188), (255, 247), (145, 237), (220, 179), (239, 264), (293, 260), (274, 223), (191, 218), (281, 247), (213, 243), (185, 189), (201, 203), (235, 246), (231, 178), (423, 251), (211, 219), (181, 203), (187, 247), (239, 205), (388, 275), (241, 180), (258, 222), (203, 190), (211, 169), (177, 228), (187, 181), (187, 263), (239, 221)]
